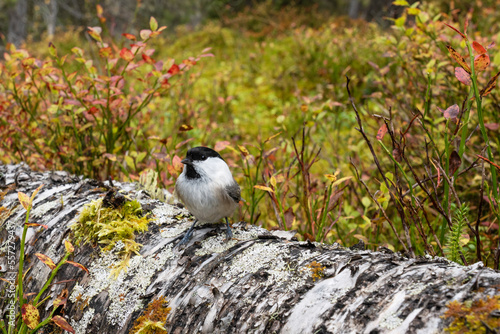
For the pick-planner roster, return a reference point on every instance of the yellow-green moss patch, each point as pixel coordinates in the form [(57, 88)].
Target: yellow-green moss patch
[(107, 226)]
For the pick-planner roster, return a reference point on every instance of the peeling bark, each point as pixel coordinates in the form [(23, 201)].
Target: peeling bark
[(259, 282)]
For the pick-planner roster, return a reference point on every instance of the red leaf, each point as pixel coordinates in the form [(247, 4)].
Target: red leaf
[(463, 76), (381, 132), (481, 62), (174, 69), (492, 126), (61, 322), (450, 113), (126, 54), (458, 31), (478, 48), (220, 145), (147, 59)]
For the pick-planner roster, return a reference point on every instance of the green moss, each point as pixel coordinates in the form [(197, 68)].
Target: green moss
[(108, 226)]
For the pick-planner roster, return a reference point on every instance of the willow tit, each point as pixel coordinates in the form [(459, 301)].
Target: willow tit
[(207, 188)]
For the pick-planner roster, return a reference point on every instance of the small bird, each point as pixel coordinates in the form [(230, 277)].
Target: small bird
[(207, 188)]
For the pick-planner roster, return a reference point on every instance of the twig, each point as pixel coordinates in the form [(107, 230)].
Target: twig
[(488, 161), (380, 207), (427, 179), (452, 188), (398, 206)]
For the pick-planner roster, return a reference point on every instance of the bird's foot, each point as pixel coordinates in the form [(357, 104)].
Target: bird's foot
[(229, 233)]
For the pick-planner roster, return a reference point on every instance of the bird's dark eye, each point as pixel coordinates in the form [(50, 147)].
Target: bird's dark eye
[(203, 157)]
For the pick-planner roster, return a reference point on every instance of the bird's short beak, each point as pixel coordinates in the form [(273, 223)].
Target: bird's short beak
[(187, 161)]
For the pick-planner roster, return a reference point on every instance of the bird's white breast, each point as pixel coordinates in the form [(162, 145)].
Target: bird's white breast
[(206, 197)]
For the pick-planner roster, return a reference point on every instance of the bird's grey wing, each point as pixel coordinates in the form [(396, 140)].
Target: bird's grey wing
[(234, 192)]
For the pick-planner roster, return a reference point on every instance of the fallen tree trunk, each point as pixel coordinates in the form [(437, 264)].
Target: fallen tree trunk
[(259, 282)]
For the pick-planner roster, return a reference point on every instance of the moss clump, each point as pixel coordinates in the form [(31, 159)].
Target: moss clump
[(107, 226), (473, 317), (153, 319)]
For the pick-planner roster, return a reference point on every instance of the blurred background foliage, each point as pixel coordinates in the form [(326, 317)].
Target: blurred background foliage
[(270, 94)]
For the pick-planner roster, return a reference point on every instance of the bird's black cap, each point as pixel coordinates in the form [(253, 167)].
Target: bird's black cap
[(200, 153)]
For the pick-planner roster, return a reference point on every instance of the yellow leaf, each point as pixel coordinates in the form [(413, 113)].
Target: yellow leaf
[(24, 199), (35, 192), (243, 150), (130, 162), (264, 188), (273, 181), (31, 316), (361, 237), (69, 247), (341, 180), (45, 259)]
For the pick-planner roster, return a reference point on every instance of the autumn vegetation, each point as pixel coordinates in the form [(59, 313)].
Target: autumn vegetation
[(340, 129)]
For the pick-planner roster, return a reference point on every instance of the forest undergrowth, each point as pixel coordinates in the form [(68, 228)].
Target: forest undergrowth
[(341, 130)]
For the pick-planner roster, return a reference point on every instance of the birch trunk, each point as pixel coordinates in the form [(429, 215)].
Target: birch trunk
[(259, 282)]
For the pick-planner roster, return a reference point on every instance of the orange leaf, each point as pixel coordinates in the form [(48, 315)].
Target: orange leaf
[(463, 76), (481, 62), (478, 48), (45, 259), (36, 225), (129, 36), (381, 132), (61, 322), (105, 52), (31, 316), (99, 10), (78, 265), (458, 58), (126, 54), (24, 199), (147, 59)]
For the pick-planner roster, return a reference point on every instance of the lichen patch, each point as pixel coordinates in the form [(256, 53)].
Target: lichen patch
[(124, 291)]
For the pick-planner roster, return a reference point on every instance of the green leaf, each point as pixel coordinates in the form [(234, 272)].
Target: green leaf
[(153, 24)]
